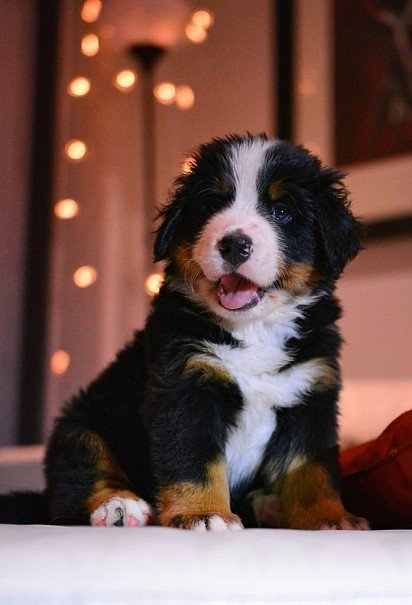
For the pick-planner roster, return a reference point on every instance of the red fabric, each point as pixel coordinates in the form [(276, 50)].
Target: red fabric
[(377, 477)]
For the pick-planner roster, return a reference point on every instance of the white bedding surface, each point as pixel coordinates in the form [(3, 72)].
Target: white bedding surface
[(45, 565)]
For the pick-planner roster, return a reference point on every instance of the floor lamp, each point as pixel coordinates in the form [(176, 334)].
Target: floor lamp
[(148, 29)]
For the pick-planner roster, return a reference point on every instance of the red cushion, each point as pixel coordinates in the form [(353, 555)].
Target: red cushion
[(377, 477)]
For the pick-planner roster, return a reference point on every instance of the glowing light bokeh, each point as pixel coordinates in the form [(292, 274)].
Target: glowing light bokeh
[(90, 45), (125, 80), (91, 10), (66, 209), (165, 93), (85, 276), (75, 150), (306, 86), (195, 33), (59, 362), (203, 19), (153, 283), (185, 97), (79, 87)]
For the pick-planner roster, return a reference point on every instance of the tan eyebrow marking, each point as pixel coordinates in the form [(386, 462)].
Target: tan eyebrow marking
[(276, 189)]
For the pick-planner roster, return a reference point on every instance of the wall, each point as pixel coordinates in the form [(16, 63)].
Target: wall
[(376, 293), (17, 47), (92, 323), (232, 75)]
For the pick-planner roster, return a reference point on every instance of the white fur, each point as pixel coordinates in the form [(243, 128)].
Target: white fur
[(255, 369), (242, 215), (217, 523), (116, 509), (247, 160)]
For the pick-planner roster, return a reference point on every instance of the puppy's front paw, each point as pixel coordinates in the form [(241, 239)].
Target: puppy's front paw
[(122, 512), (212, 522)]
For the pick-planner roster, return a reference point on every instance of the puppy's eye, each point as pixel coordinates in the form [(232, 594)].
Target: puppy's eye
[(282, 213)]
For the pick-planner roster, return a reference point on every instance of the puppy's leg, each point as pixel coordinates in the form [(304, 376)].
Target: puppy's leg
[(308, 499), (301, 467), (190, 413), (87, 485), (200, 506)]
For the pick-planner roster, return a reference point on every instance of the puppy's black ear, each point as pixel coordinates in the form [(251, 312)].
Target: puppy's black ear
[(340, 233), (170, 219)]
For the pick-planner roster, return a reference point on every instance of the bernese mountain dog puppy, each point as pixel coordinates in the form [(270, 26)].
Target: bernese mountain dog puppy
[(232, 386)]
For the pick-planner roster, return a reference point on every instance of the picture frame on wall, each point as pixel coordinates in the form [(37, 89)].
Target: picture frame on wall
[(350, 106), (373, 79)]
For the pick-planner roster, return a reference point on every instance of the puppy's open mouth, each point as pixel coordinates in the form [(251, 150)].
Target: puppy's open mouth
[(236, 293)]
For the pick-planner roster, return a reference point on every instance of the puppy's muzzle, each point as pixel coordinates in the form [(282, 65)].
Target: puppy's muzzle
[(235, 248)]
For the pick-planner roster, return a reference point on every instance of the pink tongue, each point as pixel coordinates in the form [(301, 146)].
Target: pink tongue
[(235, 291)]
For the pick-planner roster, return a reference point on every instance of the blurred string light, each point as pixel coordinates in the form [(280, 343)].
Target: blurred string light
[(203, 18), (91, 10), (90, 45), (196, 29), (79, 87), (59, 362), (195, 33), (125, 80), (66, 209), (306, 86), (165, 93), (153, 283), (185, 97), (75, 150), (85, 276)]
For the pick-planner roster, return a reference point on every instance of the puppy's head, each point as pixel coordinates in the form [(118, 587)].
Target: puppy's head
[(252, 217)]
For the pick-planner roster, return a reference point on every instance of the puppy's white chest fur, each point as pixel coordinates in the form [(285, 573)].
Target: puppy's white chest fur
[(255, 367)]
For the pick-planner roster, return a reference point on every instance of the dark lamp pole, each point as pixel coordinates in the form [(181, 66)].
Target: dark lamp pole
[(148, 57)]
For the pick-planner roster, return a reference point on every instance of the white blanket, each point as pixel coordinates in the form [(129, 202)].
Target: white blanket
[(42, 565)]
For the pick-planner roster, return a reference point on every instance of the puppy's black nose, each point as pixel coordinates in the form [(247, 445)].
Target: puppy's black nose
[(235, 249)]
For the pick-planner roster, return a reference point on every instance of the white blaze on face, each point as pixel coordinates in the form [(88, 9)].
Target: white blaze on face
[(262, 268)]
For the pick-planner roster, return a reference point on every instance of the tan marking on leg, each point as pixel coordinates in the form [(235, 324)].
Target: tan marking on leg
[(328, 377), (109, 475), (185, 502), (110, 481), (308, 500), (205, 365)]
